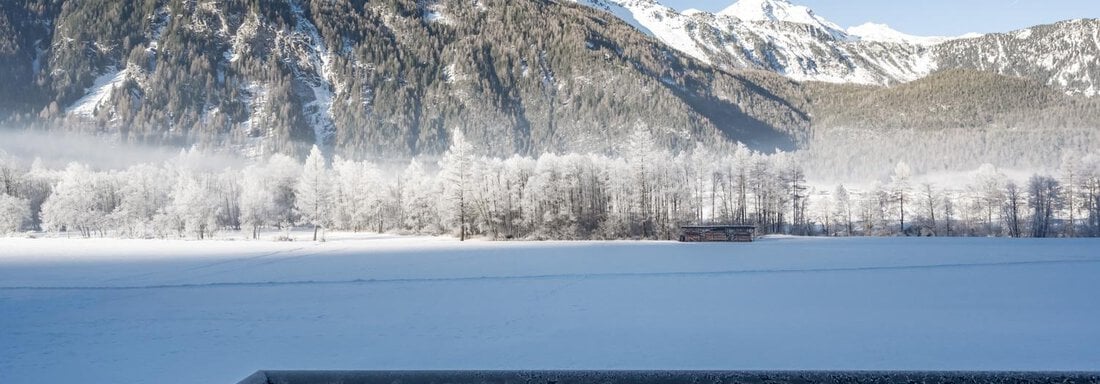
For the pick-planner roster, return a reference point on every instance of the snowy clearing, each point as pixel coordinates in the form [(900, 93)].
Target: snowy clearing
[(98, 93), (129, 311)]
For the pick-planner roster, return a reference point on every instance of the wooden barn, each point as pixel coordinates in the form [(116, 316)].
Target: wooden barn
[(709, 233)]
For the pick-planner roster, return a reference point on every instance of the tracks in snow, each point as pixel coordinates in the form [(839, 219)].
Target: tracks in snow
[(608, 275)]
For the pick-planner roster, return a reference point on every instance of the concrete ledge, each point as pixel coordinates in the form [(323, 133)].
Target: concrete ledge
[(666, 377)]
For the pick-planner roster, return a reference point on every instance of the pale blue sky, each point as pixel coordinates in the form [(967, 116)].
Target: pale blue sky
[(934, 17)]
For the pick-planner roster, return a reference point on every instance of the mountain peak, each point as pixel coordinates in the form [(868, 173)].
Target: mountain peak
[(883, 33), (776, 11)]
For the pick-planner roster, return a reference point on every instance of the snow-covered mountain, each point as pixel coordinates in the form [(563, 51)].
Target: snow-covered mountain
[(371, 79), (516, 76), (883, 33), (1065, 55), (792, 40), (775, 11), (778, 36)]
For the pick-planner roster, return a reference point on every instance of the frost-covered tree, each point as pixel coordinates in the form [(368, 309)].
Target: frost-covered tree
[(145, 191), (1070, 172), (989, 195), (10, 176), (795, 195), (842, 208), (766, 189), (194, 207), (357, 195), (73, 206), (257, 200), (283, 174), (313, 193), (515, 175), (702, 181), (32, 185), (742, 159), (550, 211), (419, 199), (824, 212), (1089, 190), (929, 201), (226, 186), (872, 209), (642, 155), (266, 196), (949, 212), (37, 185), (13, 213), (456, 177), (900, 189)]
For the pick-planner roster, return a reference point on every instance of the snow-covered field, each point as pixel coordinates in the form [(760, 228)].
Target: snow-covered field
[(138, 311)]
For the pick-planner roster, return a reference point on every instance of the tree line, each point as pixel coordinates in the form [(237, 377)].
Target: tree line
[(642, 192)]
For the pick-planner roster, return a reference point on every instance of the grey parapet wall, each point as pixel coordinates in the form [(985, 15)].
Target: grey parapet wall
[(666, 377)]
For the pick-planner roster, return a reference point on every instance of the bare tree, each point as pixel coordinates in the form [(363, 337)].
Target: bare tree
[(928, 192), (1014, 203), (1043, 197), (899, 189), (842, 204)]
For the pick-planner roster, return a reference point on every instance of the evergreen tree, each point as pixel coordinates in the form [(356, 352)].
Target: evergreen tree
[(313, 193), (457, 177)]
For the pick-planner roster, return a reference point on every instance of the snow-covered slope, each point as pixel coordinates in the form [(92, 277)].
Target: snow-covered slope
[(777, 11), (97, 95), (792, 40), (655, 20), (883, 33)]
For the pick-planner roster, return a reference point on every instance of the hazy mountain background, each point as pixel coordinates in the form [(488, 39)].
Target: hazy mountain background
[(372, 79)]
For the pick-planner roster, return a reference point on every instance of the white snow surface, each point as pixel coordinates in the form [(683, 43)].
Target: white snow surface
[(138, 311)]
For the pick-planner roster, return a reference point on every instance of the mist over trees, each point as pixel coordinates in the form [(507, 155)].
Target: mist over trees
[(643, 192)]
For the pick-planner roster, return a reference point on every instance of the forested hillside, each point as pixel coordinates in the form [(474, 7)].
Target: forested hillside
[(25, 29), (1063, 55), (391, 77), (951, 99), (397, 78)]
